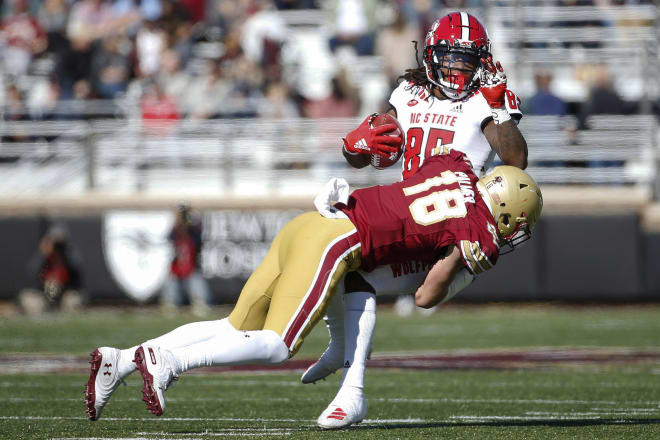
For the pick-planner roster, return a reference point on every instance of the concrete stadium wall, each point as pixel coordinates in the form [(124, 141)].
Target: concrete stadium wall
[(572, 257)]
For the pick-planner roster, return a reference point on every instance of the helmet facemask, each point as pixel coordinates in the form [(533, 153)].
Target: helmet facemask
[(456, 71), (521, 232)]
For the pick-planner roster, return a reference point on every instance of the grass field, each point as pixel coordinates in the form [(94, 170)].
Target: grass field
[(497, 371)]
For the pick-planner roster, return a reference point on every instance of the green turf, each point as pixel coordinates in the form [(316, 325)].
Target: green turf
[(566, 401)]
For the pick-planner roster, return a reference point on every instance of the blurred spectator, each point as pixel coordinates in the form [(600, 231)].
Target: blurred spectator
[(353, 24), (172, 79), (278, 103), (394, 44), (223, 17), (74, 65), (90, 20), (262, 36), (246, 80), (177, 23), (111, 67), (57, 276), (185, 278), (14, 110), (42, 100), (340, 104), (22, 38), (160, 111), (150, 42), (603, 98), (209, 95), (52, 17), (544, 102)]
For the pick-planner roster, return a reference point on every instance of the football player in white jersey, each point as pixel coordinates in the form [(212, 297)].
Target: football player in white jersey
[(458, 99)]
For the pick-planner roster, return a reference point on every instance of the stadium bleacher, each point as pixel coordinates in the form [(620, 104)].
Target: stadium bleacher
[(65, 149)]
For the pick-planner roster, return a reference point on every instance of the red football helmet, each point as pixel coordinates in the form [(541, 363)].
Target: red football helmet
[(453, 50)]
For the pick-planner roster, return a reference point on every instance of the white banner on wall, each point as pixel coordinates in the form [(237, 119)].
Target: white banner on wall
[(137, 251)]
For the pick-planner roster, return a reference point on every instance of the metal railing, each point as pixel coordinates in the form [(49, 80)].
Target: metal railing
[(286, 157)]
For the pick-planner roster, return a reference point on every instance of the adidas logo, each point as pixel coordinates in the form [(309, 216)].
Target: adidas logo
[(347, 364), (338, 414), (361, 145), (458, 108)]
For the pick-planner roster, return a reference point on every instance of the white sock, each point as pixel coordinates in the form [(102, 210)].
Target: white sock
[(182, 336), (232, 348), (359, 326), (192, 333), (334, 321), (126, 365)]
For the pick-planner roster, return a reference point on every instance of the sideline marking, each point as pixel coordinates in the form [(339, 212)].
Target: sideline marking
[(498, 359)]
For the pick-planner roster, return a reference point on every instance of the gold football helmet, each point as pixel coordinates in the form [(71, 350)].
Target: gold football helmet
[(516, 204)]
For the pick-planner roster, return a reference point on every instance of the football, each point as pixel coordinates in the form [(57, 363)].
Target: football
[(381, 162)]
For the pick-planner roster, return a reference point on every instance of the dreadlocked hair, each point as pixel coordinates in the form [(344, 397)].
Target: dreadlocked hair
[(417, 76)]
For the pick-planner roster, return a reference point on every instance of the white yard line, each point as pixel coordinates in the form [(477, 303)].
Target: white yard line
[(376, 399)]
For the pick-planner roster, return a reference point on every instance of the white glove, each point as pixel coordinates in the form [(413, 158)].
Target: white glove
[(334, 191)]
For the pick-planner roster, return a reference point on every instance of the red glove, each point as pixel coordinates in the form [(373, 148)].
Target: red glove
[(371, 140), (493, 83)]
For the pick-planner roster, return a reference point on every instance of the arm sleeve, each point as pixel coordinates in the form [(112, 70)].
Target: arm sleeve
[(462, 279)]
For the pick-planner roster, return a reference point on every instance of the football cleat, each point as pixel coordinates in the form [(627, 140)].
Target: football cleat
[(324, 367), (157, 375), (103, 380), (343, 412)]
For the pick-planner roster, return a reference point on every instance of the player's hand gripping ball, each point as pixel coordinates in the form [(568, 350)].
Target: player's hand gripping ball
[(379, 161)]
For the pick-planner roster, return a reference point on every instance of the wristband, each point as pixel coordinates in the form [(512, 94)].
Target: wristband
[(500, 115)]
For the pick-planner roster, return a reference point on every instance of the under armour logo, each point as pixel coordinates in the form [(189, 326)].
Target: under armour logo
[(347, 364), (107, 366)]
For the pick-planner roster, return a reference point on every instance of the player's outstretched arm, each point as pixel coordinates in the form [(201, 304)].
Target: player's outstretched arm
[(435, 287), (502, 133)]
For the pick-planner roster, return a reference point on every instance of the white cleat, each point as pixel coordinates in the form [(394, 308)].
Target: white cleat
[(157, 375), (326, 365), (103, 380), (342, 413)]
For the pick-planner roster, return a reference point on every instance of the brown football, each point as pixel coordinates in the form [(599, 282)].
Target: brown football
[(381, 162)]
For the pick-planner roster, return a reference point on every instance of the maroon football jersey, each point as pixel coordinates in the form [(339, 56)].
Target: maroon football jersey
[(418, 218)]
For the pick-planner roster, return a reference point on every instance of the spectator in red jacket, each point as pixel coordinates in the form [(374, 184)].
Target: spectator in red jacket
[(185, 276)]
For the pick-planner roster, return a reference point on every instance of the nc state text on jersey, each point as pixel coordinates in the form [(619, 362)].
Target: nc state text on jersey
[(433, 118)]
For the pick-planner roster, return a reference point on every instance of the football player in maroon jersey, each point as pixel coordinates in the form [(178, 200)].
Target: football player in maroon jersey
[(456, 99), (443, 212)]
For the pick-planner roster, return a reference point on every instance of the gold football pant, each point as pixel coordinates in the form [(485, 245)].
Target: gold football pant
[(290, 290)]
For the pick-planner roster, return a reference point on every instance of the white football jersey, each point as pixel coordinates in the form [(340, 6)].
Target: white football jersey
[(432, 124)]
